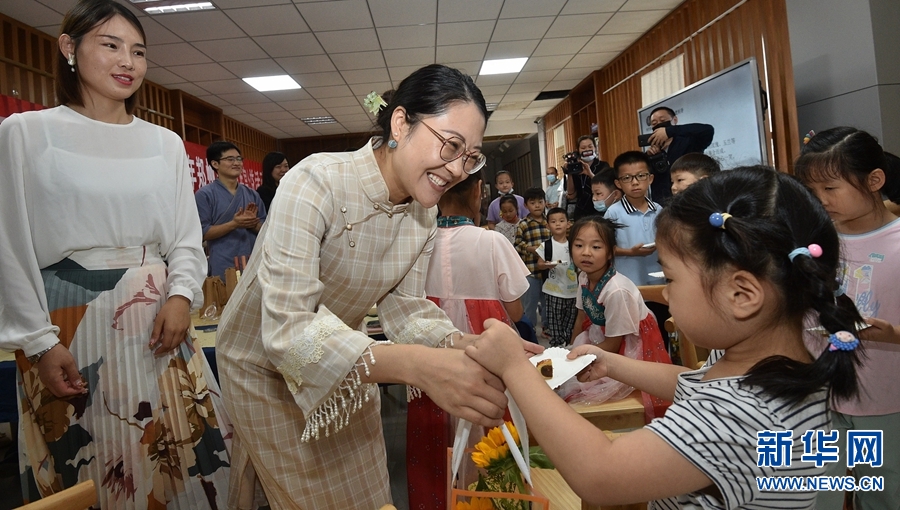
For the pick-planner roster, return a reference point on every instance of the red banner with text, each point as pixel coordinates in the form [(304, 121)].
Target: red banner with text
[(203, 174)]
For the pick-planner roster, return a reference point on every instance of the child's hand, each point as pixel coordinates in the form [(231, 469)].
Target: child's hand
[(880, 331), (639, 250), (596, 370), (500, 348)]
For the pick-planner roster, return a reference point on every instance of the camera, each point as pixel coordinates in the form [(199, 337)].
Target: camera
[(573, 163), (659, 162)]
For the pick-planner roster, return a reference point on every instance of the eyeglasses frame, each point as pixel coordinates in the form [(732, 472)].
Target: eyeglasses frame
[(632, 177), (464, 153)]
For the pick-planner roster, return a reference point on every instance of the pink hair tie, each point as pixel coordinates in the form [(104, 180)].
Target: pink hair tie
[(813, 251)]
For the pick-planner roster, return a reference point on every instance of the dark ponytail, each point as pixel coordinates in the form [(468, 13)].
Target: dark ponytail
[(772, 214), (430, 90)]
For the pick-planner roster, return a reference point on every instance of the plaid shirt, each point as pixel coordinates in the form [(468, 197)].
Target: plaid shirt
[(531, 232)]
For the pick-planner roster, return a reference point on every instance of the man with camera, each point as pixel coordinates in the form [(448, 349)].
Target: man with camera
[(668, 142), (581, 165)]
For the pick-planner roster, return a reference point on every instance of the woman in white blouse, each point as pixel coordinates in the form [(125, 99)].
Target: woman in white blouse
[(101, 261)]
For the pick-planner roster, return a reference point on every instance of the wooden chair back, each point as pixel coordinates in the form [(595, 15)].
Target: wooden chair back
[(79, 497)]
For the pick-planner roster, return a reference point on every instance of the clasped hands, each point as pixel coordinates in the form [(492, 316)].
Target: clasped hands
[(247, 217), (473, 386)]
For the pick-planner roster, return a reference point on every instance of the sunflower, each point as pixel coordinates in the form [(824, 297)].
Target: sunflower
[(493, 447)]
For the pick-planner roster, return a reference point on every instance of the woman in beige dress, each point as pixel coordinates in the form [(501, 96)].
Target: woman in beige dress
[(351, 229)]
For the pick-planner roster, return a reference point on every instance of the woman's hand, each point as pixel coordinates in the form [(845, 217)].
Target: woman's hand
[(462, 387), (596, 370), (59, 373), (171, 326)]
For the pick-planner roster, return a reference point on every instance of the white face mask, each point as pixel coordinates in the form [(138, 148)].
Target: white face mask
[(588, 156)]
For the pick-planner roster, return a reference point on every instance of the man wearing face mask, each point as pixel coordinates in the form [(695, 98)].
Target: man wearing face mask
[(556, 196), (578, 189), (675, 141)]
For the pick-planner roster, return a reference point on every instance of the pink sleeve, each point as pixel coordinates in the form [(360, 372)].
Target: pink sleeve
[(511, 271), (624, 309)]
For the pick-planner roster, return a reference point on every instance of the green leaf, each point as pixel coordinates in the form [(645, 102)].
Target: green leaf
[(539, 459)]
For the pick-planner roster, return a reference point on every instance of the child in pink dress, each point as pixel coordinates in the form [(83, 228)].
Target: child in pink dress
[(474, 275), (611, 314)]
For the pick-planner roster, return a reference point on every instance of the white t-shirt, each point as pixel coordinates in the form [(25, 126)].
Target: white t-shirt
[(562, 281), (713, 424)]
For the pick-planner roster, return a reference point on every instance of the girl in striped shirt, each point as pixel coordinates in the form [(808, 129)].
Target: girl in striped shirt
[(747, 255)]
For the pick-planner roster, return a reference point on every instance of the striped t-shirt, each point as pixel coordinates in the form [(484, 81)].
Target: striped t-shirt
[(713, 424)]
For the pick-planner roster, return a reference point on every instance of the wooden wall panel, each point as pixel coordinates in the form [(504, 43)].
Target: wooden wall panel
[(27, 57), (298, 148), (756, 28), (254, 144), (155, 105)]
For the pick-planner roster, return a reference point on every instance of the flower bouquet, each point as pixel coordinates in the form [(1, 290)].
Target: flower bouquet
[(499, 484)]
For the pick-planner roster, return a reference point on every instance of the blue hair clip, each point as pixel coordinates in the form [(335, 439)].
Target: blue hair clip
[(717, 219), (843, 341)]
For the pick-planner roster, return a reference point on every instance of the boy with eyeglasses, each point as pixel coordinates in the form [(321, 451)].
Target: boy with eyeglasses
[(635, 252), (231, 214)]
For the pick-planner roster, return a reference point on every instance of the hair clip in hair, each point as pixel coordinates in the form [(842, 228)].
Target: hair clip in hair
[(808, 136), (813, 251), (718, 219), (843, 341), (374, 102)]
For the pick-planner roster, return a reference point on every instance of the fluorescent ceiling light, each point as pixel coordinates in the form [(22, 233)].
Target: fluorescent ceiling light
[(502, 66), (318, 120), (492, 106), (269, 83), (170, 6)]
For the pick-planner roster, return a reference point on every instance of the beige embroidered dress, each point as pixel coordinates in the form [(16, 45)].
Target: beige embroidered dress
[(292, 332)]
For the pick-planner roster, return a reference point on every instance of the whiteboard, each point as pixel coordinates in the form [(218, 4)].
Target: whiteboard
[(730, 101)]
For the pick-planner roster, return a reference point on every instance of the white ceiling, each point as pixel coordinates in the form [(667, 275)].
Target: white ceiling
[(340, 50)]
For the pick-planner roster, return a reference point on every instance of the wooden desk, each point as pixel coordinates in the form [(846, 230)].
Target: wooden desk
[(627, 413), (551, 484), (203, 337)]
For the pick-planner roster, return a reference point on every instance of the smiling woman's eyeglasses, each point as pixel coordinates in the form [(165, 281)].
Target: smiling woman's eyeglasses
[(454, 148)]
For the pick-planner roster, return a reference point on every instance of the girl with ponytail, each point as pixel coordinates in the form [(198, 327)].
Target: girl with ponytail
[(749, 255), (849, 172)]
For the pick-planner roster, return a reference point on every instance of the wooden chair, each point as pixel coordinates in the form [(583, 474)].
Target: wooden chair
[(79, 497), (686, 349)]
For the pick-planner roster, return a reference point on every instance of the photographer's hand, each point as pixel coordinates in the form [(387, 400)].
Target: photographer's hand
[(653, 150), (586, 169), (659, 137)]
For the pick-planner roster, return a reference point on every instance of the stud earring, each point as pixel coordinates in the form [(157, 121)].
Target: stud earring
[(71, 62), (392, 144)]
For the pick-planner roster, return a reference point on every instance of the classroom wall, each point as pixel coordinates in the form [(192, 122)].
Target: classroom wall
[(711, 35), (845, 65)]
